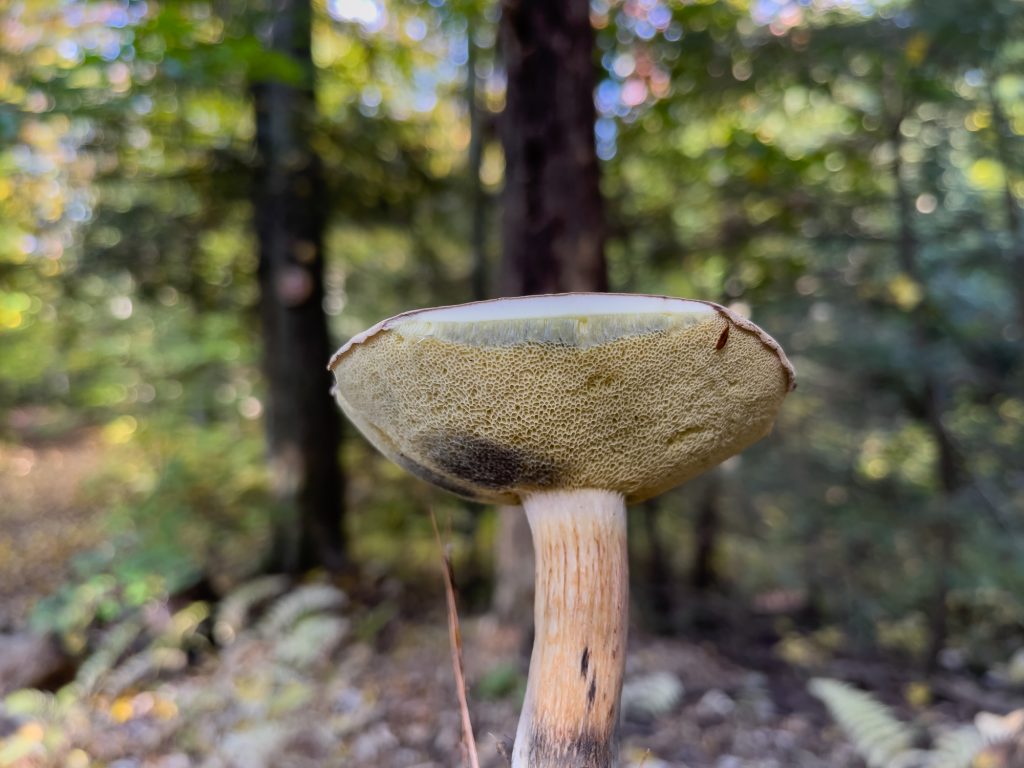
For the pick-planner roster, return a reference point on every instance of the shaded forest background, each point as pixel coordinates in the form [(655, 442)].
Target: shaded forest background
[(848, 173)]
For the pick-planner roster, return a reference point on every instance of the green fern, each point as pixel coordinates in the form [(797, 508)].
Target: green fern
[(877, 735), (115, 643), (957, 748), (143, 667), (883, 741), (255, 745), (286, 612), (33, 703), (183, 628), (311, 640), (236, 609)]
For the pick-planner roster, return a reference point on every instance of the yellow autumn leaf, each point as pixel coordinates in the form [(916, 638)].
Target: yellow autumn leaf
[(917, 48), (77, 758), (918, 694), (252, 688), (978, 120), (986, 174), (120, 430), (31, 732), (121, 711), (165, 709), (905, 291)]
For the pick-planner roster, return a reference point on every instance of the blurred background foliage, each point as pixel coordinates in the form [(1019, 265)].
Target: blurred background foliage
[(847, 172)]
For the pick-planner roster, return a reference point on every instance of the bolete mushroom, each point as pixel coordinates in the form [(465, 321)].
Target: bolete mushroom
[(572, 405)]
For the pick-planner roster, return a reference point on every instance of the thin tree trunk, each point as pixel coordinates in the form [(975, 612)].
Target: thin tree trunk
[(303, 428), (951, 479), (659, 575), (705, 574), (553, 217), (929, 408), (1001, 127), (512, 602), (479, 277)]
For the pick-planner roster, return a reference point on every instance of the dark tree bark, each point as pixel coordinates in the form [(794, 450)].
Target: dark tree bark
[(952, 478), (1003, 132), (553, 226), (478, 196), (512, 602), (928, 405), (704, 577), (659, 574), (303, 427), (553, 217)]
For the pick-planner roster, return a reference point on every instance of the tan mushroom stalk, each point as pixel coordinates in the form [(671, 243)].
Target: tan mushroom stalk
[(572, 405)]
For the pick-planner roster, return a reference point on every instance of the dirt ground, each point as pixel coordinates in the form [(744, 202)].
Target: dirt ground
[(360, 706), (43, 518)]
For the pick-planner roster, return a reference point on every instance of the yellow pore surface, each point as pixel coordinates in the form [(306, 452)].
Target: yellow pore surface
[(625, 403)]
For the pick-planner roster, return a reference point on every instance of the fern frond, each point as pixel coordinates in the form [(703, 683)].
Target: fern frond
[(237, 607), (33, 703), (957, 748), (313, 639), (877, 735), (310, 599), (111, 648), (912, 758), (184, 624), (142, 667), (256, 745)]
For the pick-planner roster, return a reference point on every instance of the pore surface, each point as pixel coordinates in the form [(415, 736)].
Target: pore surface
[(493, 407)]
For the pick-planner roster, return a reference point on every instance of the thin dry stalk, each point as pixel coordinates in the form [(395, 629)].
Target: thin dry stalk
[(455, 635)]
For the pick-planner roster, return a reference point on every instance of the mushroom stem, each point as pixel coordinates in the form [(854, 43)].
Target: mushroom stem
[(581, 609)]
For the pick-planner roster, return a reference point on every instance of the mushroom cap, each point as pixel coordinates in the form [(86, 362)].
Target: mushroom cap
[(497, 399)]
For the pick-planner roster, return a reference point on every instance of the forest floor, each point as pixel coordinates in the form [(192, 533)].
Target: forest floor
[(278, 675), (43, 519)]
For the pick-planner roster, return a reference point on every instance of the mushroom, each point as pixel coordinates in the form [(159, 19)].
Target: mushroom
[(572, 405)]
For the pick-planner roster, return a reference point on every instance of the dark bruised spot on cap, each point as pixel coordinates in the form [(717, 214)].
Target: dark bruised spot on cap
[(485, 463), (435, 478)]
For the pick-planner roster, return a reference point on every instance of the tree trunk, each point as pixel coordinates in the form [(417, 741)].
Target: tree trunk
[(929, 408), (553, 218), (512, 603), (1003, 132), (659, 575), (553, 226), (951, 479), (479, 277), (303, 427), (705, 575)]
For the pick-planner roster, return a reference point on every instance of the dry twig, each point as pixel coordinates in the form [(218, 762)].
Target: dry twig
[(455, 635)]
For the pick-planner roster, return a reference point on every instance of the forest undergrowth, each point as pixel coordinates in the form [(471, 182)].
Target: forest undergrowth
[(284, 673)]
